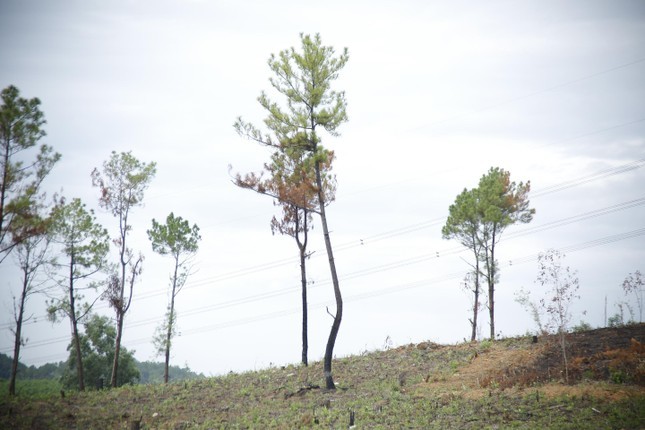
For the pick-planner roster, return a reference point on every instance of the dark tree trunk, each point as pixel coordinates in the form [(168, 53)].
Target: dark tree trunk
[(18, 340), (119, 306), (74, 322), (171, 314), (491, 286), (473, 335), (117, 348), (3, 186), (168, 336), (302, 248), (79, 356), (329, 350), (303, 276)]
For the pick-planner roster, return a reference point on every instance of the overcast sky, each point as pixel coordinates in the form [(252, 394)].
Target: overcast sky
[(438, 92)]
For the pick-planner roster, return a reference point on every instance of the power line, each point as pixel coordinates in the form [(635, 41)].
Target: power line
[(388, 290), (605, 173), (401, 263), (381, 268)]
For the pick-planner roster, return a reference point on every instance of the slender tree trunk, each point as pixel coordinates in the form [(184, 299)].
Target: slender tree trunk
[(329, 350), (563, 343), (170, 321), (117, 348), (18, 338), (487, 278), (491, 287), (302, 248), (3, 186), (473, 335), (168, 336), (303, 279), (79, 356), (74, 324), (120, 306)]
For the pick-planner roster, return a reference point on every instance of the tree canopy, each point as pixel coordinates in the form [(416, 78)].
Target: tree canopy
[(85, 244), (21, 128), (98, 346), (477, 220)]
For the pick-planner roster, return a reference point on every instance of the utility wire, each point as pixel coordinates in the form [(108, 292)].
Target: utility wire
[(400, 263), (605, 173), (388, 290), (391, 266)]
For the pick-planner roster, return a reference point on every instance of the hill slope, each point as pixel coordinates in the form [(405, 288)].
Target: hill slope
[(509, 383)]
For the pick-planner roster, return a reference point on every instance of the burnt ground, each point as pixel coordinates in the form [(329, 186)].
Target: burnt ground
[(614, 354)]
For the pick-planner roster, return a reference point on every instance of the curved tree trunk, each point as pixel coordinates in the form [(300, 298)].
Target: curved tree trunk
[(329, 350)]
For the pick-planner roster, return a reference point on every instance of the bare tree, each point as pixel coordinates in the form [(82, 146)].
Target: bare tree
[(633, 284), (562, 289)]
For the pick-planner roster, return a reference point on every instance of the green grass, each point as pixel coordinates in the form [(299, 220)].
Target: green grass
[(32, 388), (429, 387)]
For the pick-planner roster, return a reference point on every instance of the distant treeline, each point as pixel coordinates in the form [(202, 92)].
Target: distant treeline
[(151, 372)]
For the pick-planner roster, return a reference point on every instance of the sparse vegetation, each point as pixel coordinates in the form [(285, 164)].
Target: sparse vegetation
[(511, 383)]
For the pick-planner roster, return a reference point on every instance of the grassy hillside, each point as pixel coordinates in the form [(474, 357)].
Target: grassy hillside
[(512, 383)]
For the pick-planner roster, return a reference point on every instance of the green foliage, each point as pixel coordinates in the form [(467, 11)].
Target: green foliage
[(34, 388), (21, 122), (165, 332), (83, 239), (122, 183), (300, 169), (179, 240), (581, 327), (176, 237), (485, 344), (152, 372), (616, 320), (97, 346), (5, 366), (502, 202), (85, 243), (464, 220), (477, 219)]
